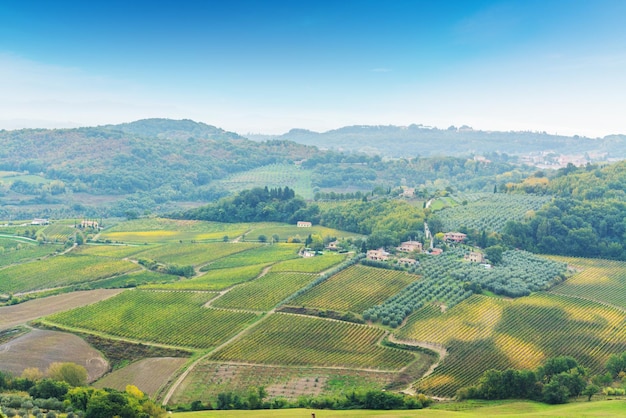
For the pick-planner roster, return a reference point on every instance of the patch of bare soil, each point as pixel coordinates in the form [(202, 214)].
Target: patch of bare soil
[(296, 387), (11, 316), (40, 348), (147, 374)]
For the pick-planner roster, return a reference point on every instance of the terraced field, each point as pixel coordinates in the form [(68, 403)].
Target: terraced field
[(360, 288), (600, 280), (182, 319), (484, 332), (265, 292), (285, 339), (60, 271)]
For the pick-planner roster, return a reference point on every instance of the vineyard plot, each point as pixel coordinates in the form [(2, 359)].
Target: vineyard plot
[(265, 292), (215, 279), (60, 270), (599, 280), (194, 254), (285, 339), (173, 318), (355, 289), (310, 264), (484, 332), (263, 254)]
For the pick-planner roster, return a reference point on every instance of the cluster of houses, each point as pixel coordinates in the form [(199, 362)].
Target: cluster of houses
[(416, 246)]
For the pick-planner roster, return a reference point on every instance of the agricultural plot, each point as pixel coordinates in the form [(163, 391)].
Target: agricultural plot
[(483, 332), (491, 212), (214, 279), (194, 254), (39, 348), (153, 230), (600, 280), (58, 232), (113, 251), (13, 251), (33, 309), (310, 264), (265, 292), (60, 271), (355, 289), (148, 374), (284, 339), (182, 319), (261, 255), (210, 378), (134, 279), (272, 176), (284, 231)]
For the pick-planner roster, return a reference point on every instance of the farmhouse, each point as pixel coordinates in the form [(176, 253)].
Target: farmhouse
[(332, 246), (304, 224), (408, 261), (39, 221), (474, 257), (378, 255), (409, 246), (454, 237), (89, 224)]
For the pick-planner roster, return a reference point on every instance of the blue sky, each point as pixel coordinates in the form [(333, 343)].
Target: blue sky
[(269, 66)]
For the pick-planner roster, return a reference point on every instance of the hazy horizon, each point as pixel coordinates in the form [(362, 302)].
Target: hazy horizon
[(268, 67)]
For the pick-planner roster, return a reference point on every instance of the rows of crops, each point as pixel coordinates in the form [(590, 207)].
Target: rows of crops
[(152, 230), (194, 254), (60, 271), (12, 251), (133, 279), (298, 340), (284, 231), (600, 280), (360, 287), (484, 332), (446, 279), (214, 279), (173, 318), (113, 251), (58, 232), (272, 176), (260, 255), (310, 264), (491, 212), (265, 292), (210, 378)]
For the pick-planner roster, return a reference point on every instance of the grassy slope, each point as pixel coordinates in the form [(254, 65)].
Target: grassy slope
[(509, 409)]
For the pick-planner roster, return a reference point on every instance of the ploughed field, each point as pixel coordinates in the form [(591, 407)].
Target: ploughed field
[(225, 311)]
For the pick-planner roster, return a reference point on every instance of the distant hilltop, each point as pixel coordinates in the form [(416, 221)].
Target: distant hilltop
[(421, 140)]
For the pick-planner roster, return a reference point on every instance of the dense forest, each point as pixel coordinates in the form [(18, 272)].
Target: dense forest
[(585, 219)]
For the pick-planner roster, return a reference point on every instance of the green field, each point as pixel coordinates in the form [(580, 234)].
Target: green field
[(265, 292), (153, 230), (509, 409), (315, 264), (285, 231), (214, 279), (172, 318), (272, 176), (355, 289), (133, 279), (600, 280), (113, 251), (60, 271), (485, 332), (16, 251), (193, 254), (285, 339), (58, 232), (264, 254)]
